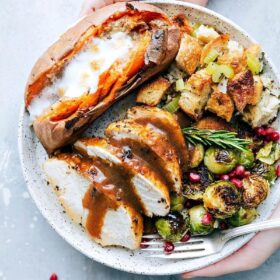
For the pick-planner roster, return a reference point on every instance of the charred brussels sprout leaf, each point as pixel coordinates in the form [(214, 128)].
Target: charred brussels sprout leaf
[(247, 159), (255, 191), (197, 227), (196, 155), (270, 153), (194, 191), (220, 161), (177, 202), (222, 199), (243, 217), (172, 227), (265, 170)]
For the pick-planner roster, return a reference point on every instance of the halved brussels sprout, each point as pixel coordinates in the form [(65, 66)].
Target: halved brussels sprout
[(255, 190), (177, 202), (246, 158), (243, 217), (222, 199), (172, 227), (220, 161), (196, 155), (270, 153), (194, 191), (197, 227), (265, 170)]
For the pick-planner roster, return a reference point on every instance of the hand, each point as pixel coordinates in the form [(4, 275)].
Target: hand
[(249, 257), (91, 5)]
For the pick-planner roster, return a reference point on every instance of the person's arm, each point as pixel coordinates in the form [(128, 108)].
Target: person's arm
[(254, 253)]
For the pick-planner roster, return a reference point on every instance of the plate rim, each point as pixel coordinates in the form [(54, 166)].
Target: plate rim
[(216, 257)]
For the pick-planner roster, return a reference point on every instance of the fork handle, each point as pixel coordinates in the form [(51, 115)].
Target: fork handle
[(259, 226)]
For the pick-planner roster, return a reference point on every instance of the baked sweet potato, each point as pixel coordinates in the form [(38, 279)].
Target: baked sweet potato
[(96, 62)]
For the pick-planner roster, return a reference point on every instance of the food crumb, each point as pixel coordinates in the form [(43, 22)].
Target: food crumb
[(53, 277)]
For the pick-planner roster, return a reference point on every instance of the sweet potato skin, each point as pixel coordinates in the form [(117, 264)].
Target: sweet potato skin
[(162, 49)]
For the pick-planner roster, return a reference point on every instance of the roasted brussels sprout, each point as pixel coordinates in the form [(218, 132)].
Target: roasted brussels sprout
[(194, 191), (206, 177), (220, 161), (196, 155), (246, 158), (255, 190), (222, 199), (265, 170), (172, 227), (197, 226), (177, 202), (243, 217)]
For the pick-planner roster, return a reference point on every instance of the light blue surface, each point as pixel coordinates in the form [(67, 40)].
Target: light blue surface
[(29, 248)]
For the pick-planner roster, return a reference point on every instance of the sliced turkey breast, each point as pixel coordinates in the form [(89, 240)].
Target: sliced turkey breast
[(109, 222), (150, 145), (148, 186), (166, 123)]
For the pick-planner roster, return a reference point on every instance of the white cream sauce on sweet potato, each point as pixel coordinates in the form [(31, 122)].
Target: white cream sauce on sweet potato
[(81, 74)]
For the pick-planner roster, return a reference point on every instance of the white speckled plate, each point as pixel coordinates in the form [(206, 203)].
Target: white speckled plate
[(32, 155)]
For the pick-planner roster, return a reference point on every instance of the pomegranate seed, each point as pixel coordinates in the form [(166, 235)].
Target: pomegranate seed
[(143, 245), (239, 171), (224, 177), (53, 277), (274, 136), (185, 238), (231, 174), (278, 170), (207, 219), (268, 131), (194, 177), (168, 247), (260, 131), (238, 183), (223, 226), (247, 173)]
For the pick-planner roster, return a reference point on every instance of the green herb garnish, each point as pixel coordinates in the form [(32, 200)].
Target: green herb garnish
[(221, 138)]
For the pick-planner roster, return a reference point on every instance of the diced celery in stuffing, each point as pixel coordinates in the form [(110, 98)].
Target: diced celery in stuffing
[(173, 105)]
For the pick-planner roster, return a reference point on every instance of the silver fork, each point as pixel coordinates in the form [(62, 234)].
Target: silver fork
[(201, 246)]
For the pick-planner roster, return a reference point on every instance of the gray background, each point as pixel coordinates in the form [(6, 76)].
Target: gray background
[(29, 248)]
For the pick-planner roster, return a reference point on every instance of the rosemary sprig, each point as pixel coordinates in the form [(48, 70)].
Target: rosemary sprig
[(220, 138)]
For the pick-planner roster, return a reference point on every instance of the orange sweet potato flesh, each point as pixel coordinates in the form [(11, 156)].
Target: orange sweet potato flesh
[(157, 45)]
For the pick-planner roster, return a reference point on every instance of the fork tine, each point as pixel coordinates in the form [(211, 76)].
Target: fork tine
[(183, 248), (151, 236), (161, 242), (184, 255), (157, 237), (152, 242)]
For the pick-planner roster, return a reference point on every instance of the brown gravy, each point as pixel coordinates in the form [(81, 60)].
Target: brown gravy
[(173, 134), (111, 186), (149, 158), (115, 182), (98, 204)]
